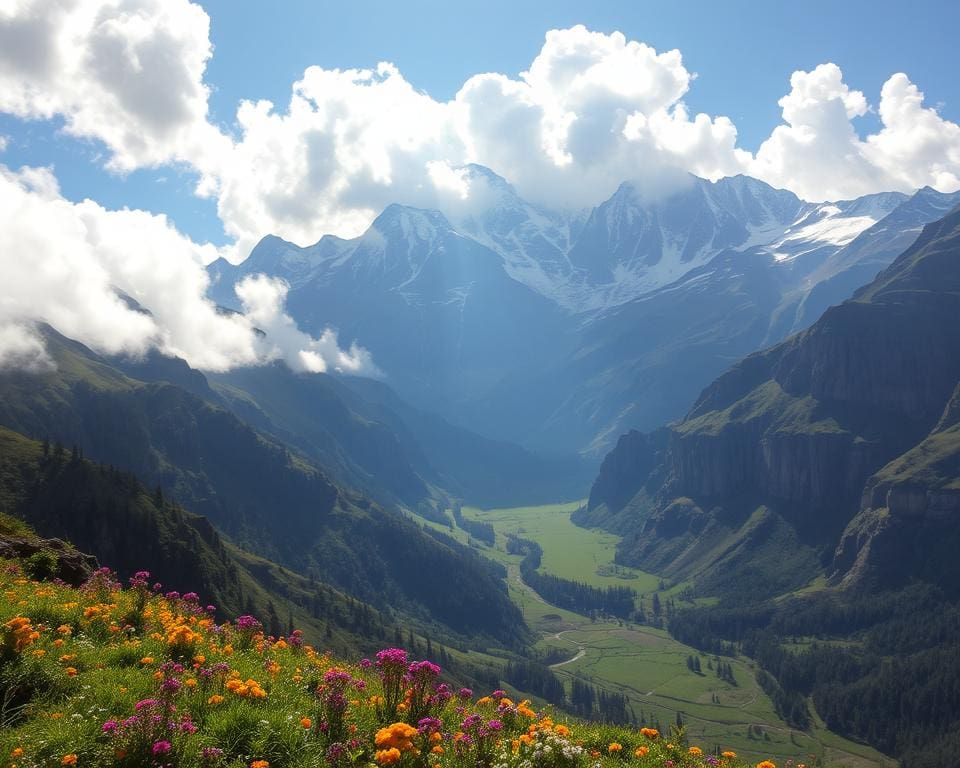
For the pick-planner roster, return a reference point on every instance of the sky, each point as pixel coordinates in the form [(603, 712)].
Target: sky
[(212, 124)]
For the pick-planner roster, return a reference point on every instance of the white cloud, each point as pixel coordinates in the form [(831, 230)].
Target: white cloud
[(66, 263), (263, 300), (591, 111), (126, 72), (819, 155)]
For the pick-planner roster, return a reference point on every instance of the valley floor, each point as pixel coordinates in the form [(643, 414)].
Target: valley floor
[(642, 662)]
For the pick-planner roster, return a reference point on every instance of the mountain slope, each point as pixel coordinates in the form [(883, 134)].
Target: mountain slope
[(794, 434), (266, 497)]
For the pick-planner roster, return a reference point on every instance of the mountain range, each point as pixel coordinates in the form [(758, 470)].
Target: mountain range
[(559, 330)]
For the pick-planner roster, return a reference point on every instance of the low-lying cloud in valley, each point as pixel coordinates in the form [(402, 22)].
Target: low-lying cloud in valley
[(591, 111)]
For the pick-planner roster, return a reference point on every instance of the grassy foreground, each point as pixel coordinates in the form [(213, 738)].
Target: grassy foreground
[(111, 676)]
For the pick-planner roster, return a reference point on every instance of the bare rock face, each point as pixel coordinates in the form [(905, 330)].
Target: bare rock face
[(71, 566)]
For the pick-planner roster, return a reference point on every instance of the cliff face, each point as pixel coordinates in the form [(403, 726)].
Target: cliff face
[(854, 418)]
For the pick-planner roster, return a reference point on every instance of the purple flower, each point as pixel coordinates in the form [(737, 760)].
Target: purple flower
[(110, 726), (192, 597), (248, 623), (365, 664), (494, 725), (145, 704), (465, 693), (428, 725), (188, 727), (211, 753), (161, 747), (498, 694), (392, 657), (170, 685), (174, 595), (423, 670)]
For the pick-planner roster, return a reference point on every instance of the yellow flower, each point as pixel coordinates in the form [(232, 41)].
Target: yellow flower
[(215, 699), (766, 764), (695, 751)]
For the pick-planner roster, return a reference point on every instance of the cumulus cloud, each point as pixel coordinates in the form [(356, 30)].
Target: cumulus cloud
[(590, 111), (126, 72), (77, 266)]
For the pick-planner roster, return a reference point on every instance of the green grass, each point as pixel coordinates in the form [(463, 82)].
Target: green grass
[(568, 551), (73, 672), (646, 664)]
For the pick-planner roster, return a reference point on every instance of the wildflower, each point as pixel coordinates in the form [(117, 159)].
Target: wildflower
[(161, 747), (215, 699), (695, 751), (766, 764), (387, 756), (71, 671), (728, 754), (562, 730), (70, 759), (641, 751), (17, 752), (260, 764), (614, 747), (305, 722), (146, 661), (650, 733)]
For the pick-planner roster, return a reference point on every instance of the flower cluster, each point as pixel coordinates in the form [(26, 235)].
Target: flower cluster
[(106, 676)]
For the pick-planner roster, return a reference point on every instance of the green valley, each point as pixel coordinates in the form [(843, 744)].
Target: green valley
[(642, 662)]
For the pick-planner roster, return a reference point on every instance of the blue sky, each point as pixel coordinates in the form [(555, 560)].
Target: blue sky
[(743, 54)]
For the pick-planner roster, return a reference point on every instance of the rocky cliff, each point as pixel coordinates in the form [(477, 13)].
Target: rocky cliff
[(843, 437)]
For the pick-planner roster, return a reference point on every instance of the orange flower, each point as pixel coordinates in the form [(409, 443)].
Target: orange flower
[(650, 733), (766, 764), (70, 759), (305, 722), (641, 751), (387, 756), (728, 754), (695, 751), (215, 699), (260, 764), (17, 752), (614, 747), (437, 749), (562, 730), (71, 671)]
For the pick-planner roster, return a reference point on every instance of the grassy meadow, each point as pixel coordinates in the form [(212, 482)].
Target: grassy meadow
[(645, 663)]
